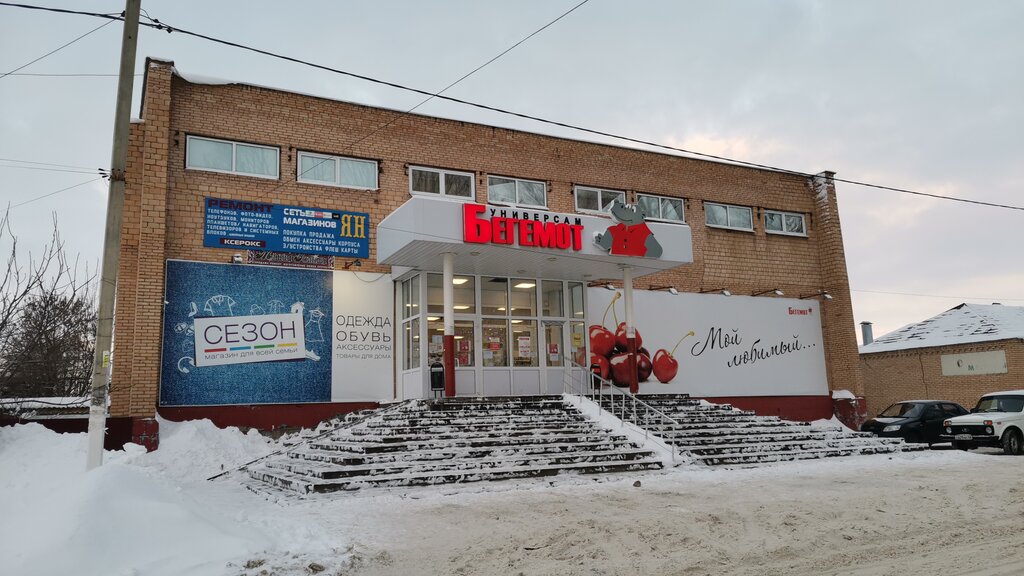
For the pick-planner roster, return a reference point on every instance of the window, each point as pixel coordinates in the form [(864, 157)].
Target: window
[(441, 182), (514, 191), (661, 207), (723, 216), (776, 222), (231, 157), (597, 199), (411, 323), (337, 171)]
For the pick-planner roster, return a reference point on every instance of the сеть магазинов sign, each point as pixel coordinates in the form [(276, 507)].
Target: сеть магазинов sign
[(244, 224)]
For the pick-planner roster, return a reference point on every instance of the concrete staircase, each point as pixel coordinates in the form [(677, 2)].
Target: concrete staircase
[(721, 435), (427, 442)]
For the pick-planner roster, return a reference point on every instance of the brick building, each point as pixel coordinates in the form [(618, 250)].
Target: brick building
[(958, 355), (439, 240)]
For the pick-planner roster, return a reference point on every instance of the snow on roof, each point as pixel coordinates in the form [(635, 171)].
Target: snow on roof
[(963, 324)]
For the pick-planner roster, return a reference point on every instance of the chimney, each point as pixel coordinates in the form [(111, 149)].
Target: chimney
[(865, 332)]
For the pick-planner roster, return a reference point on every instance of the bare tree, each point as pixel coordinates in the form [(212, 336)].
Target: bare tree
[(47, 320)]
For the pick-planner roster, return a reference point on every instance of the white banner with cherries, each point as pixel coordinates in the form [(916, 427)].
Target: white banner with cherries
[(712, 345)]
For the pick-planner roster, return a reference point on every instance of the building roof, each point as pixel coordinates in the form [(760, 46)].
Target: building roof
[(963, 324)]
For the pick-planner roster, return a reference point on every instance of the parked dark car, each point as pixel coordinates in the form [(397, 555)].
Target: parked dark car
[(914, 420)]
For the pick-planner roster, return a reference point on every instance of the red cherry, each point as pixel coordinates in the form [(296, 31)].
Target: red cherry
[(620, 336), (643, 367), (665, 366), (601, 340), (620, 370), (603, 366)]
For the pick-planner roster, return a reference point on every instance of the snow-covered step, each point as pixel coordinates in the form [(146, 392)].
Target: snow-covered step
[(771, 457), (444, 433), (433, 453), (368, 445)]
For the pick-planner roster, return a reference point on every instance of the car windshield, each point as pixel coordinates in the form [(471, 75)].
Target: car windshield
[(1000, 404), (901, 410)]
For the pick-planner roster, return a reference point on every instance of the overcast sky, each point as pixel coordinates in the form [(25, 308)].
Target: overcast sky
[(926, 95)]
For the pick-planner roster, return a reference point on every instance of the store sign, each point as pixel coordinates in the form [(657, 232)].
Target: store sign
[(251, 225), (273, 335), (246, 339), (630, 235), (974, 363), (529, 228), (268, 258)]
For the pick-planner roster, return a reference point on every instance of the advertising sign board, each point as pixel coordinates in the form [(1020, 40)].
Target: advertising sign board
[(280, 228), (330, 332), (740, 345)]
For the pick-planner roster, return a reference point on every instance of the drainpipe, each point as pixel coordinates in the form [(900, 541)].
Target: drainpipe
[(627, 294), (865, 332), (449, 324)]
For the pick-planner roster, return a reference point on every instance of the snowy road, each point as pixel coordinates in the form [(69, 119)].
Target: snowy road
[(942, 512)]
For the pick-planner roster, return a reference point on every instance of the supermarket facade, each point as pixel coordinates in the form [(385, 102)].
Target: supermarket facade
[(285, 259)]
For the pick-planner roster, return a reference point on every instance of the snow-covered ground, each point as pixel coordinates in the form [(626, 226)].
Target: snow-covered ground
[(941, 512)]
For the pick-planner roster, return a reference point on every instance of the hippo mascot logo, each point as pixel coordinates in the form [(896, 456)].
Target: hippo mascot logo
[(630, 236)]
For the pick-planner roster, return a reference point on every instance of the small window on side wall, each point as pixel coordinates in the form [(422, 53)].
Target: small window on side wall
[(597, 199), (231, 157), (787, 223), (441, 182), (501, 190), (661, 207), (726, 216), (337, 171)]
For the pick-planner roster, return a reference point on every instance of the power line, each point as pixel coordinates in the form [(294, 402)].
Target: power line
[(156, 24), (44, 163), (58, 49), (935, 295), (47, 195), (63, 75), (467, 75), (94, 171)]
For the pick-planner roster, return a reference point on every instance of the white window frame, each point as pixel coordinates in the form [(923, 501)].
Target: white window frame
[(783, 232), (337, 170), (600, 201), (682, 204), (727, 226), (517, 181), (441, 193), (234, 158)]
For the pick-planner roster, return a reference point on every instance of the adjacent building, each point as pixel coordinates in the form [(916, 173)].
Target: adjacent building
[(958, 355)]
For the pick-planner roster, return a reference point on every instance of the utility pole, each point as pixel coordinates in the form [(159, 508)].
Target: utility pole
[(112, 238)]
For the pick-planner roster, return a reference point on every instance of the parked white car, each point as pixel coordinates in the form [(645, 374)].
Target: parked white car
[(997, 420)]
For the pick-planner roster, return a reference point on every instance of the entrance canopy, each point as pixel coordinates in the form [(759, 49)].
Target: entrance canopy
[(500, 240)]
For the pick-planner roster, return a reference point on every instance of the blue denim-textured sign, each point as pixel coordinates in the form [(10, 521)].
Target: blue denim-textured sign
[(249, 225), (197, 289)]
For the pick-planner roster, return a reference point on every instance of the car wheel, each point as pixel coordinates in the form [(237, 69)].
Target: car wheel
[(913, 438), (1013, 443), (960, 446)]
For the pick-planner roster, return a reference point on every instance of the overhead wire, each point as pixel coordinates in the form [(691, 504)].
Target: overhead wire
[(55, 50), (157, 24), (951, 297), (47, 195)]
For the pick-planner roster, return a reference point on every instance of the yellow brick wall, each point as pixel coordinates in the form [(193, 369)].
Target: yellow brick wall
[(890, 377), (164, 213)]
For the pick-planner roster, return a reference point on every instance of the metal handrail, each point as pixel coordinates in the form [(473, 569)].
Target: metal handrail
[(596, 394)]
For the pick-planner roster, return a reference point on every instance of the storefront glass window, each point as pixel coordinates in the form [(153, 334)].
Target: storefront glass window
[(465, 294), (551, 298), (411, 297), (524, 343), (495, 342), (524, 297), (411, 343), (463, 343), (435, 294), (576, 343), (576, 299), (435, 339), (553, 335), (494, 296)]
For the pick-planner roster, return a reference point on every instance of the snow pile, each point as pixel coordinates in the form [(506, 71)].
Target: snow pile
[(138, 515)]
